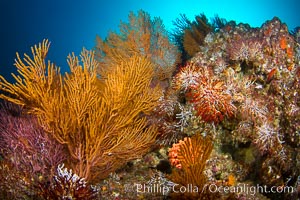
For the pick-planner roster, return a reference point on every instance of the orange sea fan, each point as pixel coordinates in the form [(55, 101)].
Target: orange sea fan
[(173, 155), (192, 154)]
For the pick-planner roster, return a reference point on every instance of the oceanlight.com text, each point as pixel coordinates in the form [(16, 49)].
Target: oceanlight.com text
[(213, 188), (245, 188)]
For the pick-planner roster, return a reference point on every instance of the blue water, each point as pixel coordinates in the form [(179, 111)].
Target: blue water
[(71, 25)]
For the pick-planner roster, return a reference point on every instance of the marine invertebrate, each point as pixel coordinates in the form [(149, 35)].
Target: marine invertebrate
[(186, 78), (28, 154), (189, 154), (171, 118), (208, 95), (267, 138), (189, 35), (250, 49), (211, 102), (194, 36), (184, 117), (67, 185), (100, 120), (252, 109), (143, 36), (173, 155), (189, 157), (28, 148)]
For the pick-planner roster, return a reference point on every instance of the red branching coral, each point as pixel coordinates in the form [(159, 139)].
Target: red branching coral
[(25, 144), (29, 155)]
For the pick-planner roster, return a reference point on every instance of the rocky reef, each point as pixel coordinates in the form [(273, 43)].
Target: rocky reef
[(215, 117)]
